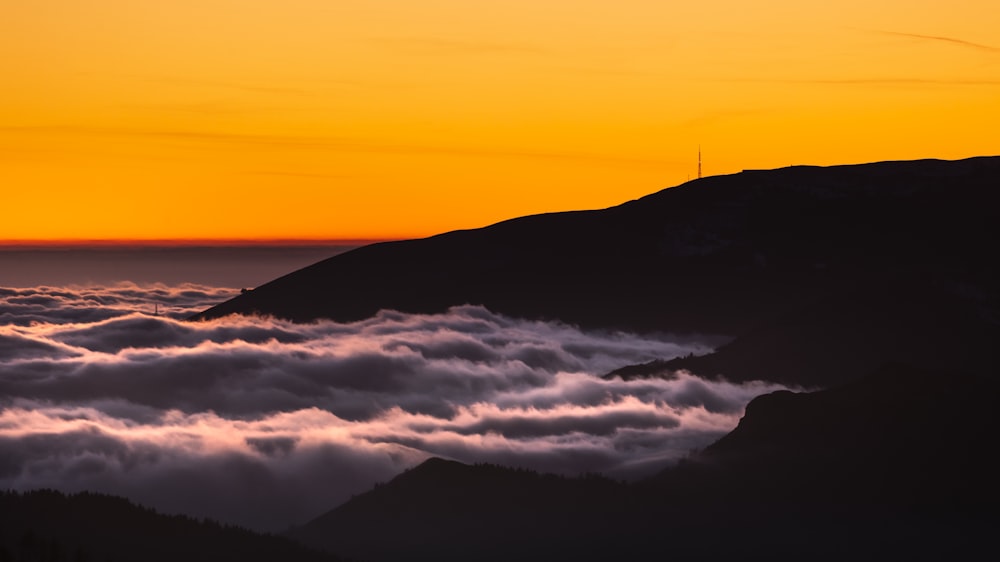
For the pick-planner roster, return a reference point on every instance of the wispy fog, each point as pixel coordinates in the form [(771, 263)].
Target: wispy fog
[(266, 423)]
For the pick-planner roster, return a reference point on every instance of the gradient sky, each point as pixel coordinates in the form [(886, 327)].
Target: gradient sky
[(230, 119)]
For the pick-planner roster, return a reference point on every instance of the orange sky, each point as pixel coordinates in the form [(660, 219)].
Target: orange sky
[(388, 118)]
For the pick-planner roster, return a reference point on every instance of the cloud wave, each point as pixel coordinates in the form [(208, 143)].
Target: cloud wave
[(61, 305), (266, 423)]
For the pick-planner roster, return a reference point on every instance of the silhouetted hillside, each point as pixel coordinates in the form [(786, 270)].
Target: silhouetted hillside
[(901, 436), (48, 526), (444, 509), (817, 272), (896, 465)]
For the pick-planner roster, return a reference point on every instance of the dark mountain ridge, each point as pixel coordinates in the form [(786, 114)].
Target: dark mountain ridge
[(816, 271), (46, 525), (890, 466), (447, 509)]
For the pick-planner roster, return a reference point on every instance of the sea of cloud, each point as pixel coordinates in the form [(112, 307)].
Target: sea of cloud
[(267, 423)]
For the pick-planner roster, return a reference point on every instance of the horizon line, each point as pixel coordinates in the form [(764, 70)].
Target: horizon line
[(41, 243)]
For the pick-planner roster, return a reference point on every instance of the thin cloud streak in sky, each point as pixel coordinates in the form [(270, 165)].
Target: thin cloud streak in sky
[(876, 81), (337, 144), (894, 80), (266, 423), (938, 38), (444, 46), (285, 174), (254, 88)]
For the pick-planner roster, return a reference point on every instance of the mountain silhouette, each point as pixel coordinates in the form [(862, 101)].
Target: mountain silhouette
[(45, 525), (894, 465), (817, 273), (455, 511)]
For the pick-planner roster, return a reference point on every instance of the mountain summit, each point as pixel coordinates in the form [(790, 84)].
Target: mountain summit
[(814, 271)]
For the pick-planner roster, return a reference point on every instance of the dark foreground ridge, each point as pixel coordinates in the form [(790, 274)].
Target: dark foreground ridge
[(894, 466), (817, 272), (49, 526)]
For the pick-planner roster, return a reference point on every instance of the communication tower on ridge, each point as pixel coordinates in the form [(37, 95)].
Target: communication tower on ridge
[(699, 161)]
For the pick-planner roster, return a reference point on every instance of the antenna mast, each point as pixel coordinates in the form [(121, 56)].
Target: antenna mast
[(699, 161)]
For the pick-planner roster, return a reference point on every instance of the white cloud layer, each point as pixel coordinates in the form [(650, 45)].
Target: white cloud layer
[(266, 423)]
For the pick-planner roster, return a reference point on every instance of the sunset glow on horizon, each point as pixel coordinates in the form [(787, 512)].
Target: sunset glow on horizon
[(317, 120)]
